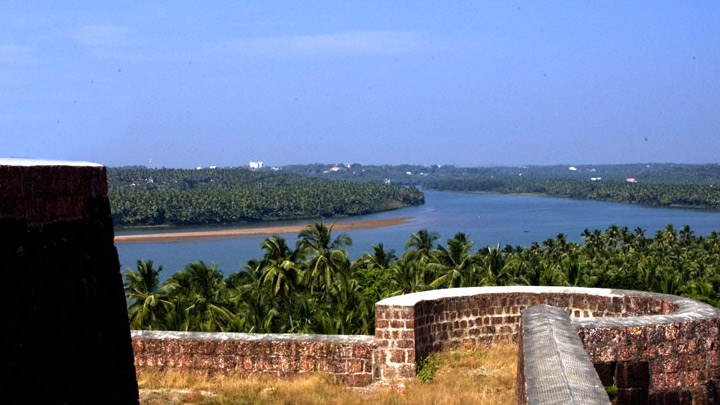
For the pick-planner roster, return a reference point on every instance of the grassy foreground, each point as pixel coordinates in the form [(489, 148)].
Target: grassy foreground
[(481, 375)]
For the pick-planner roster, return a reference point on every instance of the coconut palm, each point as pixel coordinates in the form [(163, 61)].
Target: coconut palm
[(204, 290), (323, 254), (250, 300), (147, 298), (408, 275), (422, 243), (494, 267), (280, 270), (455, 264), (379, 259), (281, 273)]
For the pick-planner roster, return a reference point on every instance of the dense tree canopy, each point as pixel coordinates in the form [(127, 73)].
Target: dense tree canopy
[(315, 288), (666, 195), (226, 196), (667, 185), (143, 196)]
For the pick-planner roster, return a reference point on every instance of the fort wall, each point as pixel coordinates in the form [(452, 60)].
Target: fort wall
[(347, 358), (652, 347), (553, 367), (65, 333), (56, 246)]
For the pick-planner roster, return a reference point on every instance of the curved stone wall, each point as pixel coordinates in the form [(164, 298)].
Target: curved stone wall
[(660, 346), (56, 230), (654, 348)]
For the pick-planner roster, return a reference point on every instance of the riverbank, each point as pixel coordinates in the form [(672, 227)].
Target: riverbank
[(268, 230)]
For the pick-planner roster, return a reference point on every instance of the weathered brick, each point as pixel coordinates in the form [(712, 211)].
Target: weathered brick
[(627, 353), (665, 348)]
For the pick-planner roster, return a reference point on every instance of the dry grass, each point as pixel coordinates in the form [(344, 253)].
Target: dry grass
[(482, 376)]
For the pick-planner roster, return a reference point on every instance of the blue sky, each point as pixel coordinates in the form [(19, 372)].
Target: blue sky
[(471, 83)]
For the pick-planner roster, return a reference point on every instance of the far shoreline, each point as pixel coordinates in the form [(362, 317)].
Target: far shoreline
[(256, 231)]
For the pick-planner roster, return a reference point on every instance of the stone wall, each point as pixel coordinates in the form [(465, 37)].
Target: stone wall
[(414, 325), (553, 366), (347, 358), (65, 333), (65, 310), (670, 358), (652, 347)]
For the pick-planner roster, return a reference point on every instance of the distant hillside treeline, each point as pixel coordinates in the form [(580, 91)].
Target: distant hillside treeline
[(141, 196), (665, 195), (662, 173), (666, 185)]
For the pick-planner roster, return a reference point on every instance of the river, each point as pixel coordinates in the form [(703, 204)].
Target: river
[(487, 219)]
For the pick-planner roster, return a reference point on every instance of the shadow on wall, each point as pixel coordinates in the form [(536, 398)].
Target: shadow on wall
[(66, 337)]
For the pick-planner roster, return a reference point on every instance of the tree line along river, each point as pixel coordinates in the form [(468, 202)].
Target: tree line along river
[(487, 219)]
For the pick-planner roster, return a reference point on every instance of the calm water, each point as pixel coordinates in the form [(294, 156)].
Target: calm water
[(487, 219)]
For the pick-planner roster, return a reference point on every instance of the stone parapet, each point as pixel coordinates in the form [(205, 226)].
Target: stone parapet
[(347, 358), (553, 367), (670, 358), (426, 322), (651, 347)]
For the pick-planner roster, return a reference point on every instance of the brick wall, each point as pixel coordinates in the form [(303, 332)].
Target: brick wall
[(65, 333), (671, 358), (347, 358), (422, 323), (653, 347)]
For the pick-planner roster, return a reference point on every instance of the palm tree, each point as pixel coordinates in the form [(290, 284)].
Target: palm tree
[(494, 268), (279, 269), (380, 259), (204, 290), (281, 273), (324, 256), (408, 275), (422, 243), (455, 263), (142, 289), (250, 300)]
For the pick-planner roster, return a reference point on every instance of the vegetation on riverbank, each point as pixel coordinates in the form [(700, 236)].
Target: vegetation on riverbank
[(657, 195), (315, 288), (141, 197), (221, 196), (662, 185), (480, 375)]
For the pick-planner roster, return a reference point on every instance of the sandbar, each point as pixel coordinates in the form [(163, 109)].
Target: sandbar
[(267, 230)]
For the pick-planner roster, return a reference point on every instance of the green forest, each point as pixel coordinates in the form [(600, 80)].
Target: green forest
[(666, 185), (652, 194), (141, 196), (313, 287), (221, 196)]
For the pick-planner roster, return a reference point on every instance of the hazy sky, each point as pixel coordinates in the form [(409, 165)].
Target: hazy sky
[(469, 83)]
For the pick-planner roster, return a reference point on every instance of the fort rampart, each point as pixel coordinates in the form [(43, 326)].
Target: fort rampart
[(348, 358), (56, 247), (655, 347), (65, 332)]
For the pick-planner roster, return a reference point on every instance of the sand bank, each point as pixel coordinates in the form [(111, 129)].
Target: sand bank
[(267, 230)]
